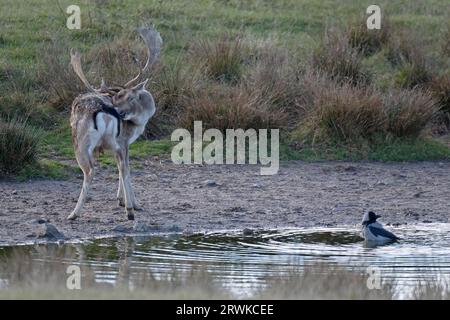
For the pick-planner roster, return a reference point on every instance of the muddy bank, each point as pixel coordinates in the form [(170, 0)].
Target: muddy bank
[(204, 198)]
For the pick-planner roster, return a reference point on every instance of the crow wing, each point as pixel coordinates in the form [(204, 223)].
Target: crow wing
[(383, 233)]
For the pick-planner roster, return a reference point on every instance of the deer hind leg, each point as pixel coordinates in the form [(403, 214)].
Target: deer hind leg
[(86, 162), (124, 177), (120, 191)]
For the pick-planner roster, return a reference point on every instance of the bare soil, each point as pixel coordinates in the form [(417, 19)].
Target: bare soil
[(179, 198)]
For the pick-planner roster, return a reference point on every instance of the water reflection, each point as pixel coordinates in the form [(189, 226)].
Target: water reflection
[(242, 262)]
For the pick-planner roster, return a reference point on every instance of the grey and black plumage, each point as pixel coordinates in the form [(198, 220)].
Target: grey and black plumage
[(374, 231)]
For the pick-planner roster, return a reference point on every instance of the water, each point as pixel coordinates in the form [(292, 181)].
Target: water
[(241, 263)]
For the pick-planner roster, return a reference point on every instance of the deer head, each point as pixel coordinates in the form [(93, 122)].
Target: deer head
[(129, 91)]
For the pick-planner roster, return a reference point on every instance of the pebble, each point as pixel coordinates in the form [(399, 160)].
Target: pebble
[(211, 183)]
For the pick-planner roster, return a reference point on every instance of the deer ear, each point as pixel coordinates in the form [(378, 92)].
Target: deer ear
[(140, 86)]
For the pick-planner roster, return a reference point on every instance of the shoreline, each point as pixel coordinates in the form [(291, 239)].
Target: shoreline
[(200, 198)]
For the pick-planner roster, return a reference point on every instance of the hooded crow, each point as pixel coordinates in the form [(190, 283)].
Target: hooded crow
[(373, 231)]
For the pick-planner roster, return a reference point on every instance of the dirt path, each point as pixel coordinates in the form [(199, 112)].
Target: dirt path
[(177, 198)]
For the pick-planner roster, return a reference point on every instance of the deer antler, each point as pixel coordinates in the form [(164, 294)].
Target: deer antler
[(153, 41), (75, 61)]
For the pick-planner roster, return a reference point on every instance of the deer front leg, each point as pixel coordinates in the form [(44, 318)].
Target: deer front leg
[(124, 174), (120, 192)]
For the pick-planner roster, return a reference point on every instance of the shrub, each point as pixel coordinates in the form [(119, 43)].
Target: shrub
[(446, 42), (412, 74), (336, 57), (408, 111), (343, 113), (440, 87), (406, 52), (18, 145), (171, 86), (272, 76), (368, 41), (223, 107), (56, 77), (221, 58)]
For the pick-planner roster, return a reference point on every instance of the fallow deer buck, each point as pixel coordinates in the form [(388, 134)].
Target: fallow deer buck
[(112, 118)]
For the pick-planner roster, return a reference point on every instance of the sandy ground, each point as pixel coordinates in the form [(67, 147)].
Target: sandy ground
[(178, 198)]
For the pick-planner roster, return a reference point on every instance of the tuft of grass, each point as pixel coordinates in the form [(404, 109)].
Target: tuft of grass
[(220, 58), (406, 52), (224, 108), (56, 76), (18, 145), (336, 57), (343, 113), (408, 112), (369, 41), (412, 74), (272, 76), (445, 44), (440, 88)]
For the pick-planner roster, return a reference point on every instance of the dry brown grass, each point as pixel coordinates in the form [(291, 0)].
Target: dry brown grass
[(230, 107), (440, 87), (336, 57), (406, 52), (369, 41), (221, 58), (409, 112), (18, 145), (344, 113), (55, 75), (272, 75)]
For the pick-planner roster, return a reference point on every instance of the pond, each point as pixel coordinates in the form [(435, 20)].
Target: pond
[(242, 262)]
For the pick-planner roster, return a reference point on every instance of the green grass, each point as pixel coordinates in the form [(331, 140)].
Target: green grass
[(47, 169), (398, 150), (26, 26)]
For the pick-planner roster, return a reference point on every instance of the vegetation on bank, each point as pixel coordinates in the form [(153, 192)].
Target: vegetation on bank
[(311, 68)]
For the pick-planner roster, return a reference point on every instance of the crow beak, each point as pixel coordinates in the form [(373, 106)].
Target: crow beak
[(377, 216)]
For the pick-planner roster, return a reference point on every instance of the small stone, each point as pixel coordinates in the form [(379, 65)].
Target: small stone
[(247, 232), (49, 231), (14, 192), (211, 183), (257, 185)]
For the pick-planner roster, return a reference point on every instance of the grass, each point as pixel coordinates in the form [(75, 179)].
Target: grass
[(256, 67), (397, 150), (18, 145)]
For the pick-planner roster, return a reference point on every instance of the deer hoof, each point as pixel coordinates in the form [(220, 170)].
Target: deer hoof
[(130, 213), (137, 207), (121, 202), (72, 216)]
